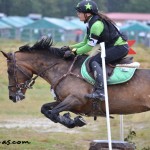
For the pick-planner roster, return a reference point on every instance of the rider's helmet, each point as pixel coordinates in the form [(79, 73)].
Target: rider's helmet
[(87, 6)]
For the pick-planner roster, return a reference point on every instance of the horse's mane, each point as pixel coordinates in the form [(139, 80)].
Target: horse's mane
[(43, 45)]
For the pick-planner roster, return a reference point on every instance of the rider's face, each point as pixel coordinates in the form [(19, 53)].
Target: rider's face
[(81, 16)]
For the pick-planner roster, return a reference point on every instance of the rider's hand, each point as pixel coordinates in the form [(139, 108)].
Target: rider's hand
[(69, 54), (65, 48)]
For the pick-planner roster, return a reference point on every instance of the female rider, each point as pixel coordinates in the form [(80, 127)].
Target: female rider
[(100, 28)]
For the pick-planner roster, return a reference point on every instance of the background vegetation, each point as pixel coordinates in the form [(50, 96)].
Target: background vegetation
[(57, 8), (45, 135)]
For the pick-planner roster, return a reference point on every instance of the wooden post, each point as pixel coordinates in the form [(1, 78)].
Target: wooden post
[(116, 145)]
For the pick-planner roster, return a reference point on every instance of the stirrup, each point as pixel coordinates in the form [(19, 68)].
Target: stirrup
[(96, 96)]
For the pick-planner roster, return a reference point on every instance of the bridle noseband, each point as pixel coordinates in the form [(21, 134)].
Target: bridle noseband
[(27, 84)]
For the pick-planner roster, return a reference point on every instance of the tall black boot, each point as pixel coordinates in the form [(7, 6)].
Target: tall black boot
[(98, 93)]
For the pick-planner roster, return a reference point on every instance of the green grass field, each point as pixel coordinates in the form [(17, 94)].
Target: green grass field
[(23, 121)]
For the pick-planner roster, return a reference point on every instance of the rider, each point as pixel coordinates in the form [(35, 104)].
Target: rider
[(100, 28)]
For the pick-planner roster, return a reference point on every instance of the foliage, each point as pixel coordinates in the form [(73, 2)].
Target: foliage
[(146, 148), (128, 6), (130, 136), (57, 8)]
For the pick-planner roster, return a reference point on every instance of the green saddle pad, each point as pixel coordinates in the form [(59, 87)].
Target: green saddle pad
[(120, 75)]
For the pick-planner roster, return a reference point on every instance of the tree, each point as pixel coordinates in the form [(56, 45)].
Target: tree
[(61, 8), (142, 6)]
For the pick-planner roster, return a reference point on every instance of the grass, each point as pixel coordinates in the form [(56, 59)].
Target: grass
[(78, 138), (142, 56), (40, 141)]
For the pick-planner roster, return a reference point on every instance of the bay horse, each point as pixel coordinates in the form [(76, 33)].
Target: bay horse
[(46, 61)]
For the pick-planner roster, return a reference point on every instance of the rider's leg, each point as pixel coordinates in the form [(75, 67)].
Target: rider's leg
[(112, 54), (99, 85)]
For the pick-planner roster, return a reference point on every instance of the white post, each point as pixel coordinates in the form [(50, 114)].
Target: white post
[(121, 128), (103, 55)]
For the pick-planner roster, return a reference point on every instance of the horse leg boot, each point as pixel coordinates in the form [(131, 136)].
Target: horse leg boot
[(98, 93), (46, 110), (70, 102)]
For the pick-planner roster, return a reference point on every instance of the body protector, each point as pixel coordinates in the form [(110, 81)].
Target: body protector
[(109, 35)]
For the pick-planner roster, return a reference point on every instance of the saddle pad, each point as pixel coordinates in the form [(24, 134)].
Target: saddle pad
[(120, 75)]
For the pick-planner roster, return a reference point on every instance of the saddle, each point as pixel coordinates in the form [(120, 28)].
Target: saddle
[(109, 67), (123, 66)]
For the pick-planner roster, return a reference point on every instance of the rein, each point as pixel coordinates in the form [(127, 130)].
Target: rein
[(54, 86)]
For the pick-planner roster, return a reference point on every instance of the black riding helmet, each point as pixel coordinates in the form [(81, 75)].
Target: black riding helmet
[(87, 6)]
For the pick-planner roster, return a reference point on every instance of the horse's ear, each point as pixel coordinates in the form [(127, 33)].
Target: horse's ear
[(6, 55)]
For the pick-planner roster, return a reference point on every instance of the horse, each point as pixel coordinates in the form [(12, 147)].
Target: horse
[(45, 60)]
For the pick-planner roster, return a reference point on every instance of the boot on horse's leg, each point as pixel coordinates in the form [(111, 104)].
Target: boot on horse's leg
[(98, 93)]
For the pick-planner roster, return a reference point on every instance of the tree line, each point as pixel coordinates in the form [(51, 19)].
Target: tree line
[(61, 8)]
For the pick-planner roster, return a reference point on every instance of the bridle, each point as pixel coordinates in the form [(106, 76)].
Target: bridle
[(31, 80), (17, 85), (28, 83)]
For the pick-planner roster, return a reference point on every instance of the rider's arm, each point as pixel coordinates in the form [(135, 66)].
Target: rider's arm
[(78, 45), (95, 31)]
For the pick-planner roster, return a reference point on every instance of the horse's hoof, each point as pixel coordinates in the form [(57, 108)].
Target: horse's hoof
[(67, 115), (79, 121)]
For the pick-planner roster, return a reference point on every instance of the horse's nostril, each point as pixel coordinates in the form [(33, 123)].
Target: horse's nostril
[(11, 97)]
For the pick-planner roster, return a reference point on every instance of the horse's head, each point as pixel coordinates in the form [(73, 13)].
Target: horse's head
[(19, 78), (20, 65)]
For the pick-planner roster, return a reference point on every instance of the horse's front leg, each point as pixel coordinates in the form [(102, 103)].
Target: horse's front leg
[(70, 102), (46, 109)]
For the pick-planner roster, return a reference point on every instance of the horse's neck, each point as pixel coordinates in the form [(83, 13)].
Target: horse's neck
[(48, 67), (54, 70)]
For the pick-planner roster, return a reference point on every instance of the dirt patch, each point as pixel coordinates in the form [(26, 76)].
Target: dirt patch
[(38, 124)]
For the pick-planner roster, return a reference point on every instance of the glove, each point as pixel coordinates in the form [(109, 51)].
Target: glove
[(65, 48), (69, 54)]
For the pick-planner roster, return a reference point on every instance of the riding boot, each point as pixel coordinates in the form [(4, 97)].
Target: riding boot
[(98, 93)]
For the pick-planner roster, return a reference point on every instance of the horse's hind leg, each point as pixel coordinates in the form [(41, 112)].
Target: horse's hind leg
[(69, 103)]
